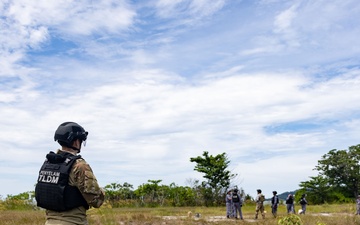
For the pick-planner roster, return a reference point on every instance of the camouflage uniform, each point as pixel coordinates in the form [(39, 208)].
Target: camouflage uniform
[(83, 178), (260, 205)]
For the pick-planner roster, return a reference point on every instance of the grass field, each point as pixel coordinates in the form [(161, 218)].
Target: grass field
[(317, 215)]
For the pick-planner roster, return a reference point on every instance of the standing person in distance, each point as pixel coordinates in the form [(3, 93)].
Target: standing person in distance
[(66, 185), (237, 202), (290, 204), (229, 204), (358, 205), (274, 204), (260, 198), (303, 204)]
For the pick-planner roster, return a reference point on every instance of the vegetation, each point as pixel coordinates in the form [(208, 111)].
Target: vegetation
[(217, 175), (316, 215), (330, 194), (290, 220), (338, 180), (152, 194)]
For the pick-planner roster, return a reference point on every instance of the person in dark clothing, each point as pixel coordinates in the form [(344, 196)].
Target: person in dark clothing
[(290, 204), (303, 204), (237, 203), (274, 204)]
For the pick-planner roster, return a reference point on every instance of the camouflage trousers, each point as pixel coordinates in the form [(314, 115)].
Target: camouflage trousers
[(259, 208)]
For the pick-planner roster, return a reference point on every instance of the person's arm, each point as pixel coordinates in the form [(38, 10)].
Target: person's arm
[(86, 182), (240, 199)]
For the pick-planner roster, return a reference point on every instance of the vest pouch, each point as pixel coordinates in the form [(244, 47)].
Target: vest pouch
[(52, 167), (73, 198), (50, 196), (235, 198)]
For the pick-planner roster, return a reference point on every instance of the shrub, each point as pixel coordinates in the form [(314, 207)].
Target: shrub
[(290, 220)]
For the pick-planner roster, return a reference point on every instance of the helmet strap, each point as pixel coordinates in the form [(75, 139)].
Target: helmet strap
[(76, 149)]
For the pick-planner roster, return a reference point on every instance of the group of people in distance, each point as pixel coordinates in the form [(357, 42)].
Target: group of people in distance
[(234, 203), (290, 204)]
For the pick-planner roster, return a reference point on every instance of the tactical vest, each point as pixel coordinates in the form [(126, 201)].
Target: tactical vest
[(275, 200), (289, 200), (52, 190), (235, 198)]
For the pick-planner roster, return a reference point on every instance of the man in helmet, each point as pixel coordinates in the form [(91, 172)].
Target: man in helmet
[(260, 198), (66, 185), (237, 201), (274, 204)]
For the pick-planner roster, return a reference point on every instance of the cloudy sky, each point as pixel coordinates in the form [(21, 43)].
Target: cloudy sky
[(273, 83)]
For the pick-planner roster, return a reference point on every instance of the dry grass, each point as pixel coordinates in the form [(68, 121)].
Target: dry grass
[(316, 215)]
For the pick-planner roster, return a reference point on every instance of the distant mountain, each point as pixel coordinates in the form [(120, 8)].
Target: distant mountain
[(283, 196)]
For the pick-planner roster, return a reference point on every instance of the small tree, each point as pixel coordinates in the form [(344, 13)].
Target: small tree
[(115, 192), (216, 173)]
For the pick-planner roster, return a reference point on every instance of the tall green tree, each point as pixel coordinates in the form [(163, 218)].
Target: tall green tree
[(216, 173), (342, 169), (317, 190)]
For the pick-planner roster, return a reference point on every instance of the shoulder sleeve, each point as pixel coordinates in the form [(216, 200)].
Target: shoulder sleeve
[(87, 183)]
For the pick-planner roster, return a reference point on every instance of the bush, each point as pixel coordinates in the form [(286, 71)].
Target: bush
[(16, 204), (290, 220)]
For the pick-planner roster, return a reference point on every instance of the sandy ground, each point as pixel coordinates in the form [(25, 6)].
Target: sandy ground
[(223, 218)]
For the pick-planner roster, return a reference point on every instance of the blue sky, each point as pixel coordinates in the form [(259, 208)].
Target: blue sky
[(273, 83)]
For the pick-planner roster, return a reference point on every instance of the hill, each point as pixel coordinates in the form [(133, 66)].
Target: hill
[(283, 196)]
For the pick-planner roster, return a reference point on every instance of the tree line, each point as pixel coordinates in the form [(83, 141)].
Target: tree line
[(338, 181), (210, 192)]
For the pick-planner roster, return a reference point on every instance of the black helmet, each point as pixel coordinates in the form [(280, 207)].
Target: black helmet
[(68, 132), (258, 190)]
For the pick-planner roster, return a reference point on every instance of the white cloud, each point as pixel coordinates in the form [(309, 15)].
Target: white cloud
[(279, 174), (152, 95), (180, 8)]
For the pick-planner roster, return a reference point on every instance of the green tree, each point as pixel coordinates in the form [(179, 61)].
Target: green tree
[(151, 193), (216, 173), (342, 169), (115, 191), (181, 196), (317, 190)]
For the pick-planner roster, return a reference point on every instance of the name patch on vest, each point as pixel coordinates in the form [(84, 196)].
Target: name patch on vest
[(49, 177)]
